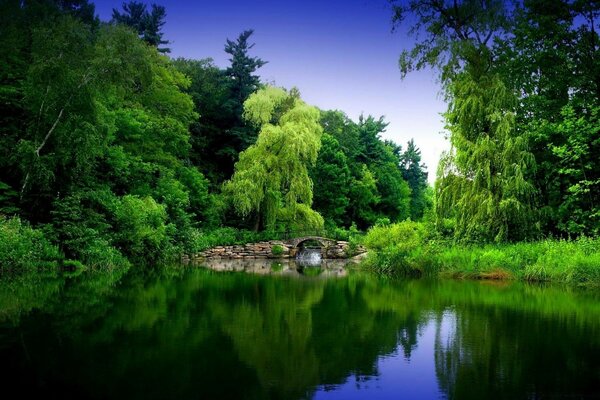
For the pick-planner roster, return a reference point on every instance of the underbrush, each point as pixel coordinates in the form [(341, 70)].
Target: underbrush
[(23, 248)]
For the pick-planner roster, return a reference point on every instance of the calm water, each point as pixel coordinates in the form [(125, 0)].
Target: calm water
[(289, 333)]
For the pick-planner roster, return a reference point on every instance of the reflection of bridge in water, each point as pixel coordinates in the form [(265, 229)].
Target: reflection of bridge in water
[(284, 267)]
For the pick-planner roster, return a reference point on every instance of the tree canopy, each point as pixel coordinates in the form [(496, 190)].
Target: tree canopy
[(271, 178)]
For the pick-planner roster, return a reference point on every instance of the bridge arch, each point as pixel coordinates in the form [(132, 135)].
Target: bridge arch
[(324, 242)]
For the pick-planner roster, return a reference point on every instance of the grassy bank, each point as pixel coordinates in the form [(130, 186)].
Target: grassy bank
[(407, 249)]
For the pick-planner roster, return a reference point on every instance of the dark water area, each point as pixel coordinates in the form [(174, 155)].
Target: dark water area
[(283, 331)]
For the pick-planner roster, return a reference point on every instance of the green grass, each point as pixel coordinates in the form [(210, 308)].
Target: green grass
[(402, 250)]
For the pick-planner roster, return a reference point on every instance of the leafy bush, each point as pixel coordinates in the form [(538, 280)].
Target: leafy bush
[(142, 231), (393, 247), (277, 250), (23, 248), (404, 236), (100, 254)]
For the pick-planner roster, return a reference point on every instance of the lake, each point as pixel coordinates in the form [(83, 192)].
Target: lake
[(270, 330)]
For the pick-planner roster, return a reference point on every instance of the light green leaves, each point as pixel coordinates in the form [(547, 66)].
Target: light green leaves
[(271, 176)]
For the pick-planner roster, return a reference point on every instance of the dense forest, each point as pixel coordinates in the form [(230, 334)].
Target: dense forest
[(113, 151)]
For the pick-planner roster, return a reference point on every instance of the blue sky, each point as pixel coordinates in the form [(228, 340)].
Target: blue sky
[(340, 54)]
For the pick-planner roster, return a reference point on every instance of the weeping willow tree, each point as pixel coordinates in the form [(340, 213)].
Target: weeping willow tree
[(271, 178), (482, 180)]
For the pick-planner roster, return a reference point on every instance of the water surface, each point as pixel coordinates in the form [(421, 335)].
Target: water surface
[(290, 332)]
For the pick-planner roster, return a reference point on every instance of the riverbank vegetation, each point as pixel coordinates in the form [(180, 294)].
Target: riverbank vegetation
[(412, 249), (524, 131), (116, 154)]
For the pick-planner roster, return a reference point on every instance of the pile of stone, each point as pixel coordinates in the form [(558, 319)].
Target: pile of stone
[(248, 251), (265, 250), (341, 249)]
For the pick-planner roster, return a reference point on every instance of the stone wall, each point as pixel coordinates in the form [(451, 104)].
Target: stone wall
[(264, 250)]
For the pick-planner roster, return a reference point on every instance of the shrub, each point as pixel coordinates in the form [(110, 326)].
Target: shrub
[(142, 231), (24, 248), (100, 254), (405, 236), (277, 250)]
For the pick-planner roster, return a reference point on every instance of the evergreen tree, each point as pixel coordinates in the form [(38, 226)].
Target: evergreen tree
[(242, 82), (147, 24), (415, 174)]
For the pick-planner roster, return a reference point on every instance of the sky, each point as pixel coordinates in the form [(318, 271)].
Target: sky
[(340, 54)]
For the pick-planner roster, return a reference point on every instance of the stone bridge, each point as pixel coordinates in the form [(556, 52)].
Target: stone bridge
[(324, 242), (330, 249)]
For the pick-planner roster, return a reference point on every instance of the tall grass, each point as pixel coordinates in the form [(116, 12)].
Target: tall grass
[(405, 249)]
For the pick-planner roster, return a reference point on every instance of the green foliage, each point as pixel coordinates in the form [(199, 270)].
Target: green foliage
[(483, 180), (271, 178), (143, 232), (395, 247), (8, 199), (364, 198), (415, 174), (277, 250), (576, 167), (213, 145), (331, 179), (359, 177), (23, 248), (405, 235), (146, 24), (101, 141), (523, 87), (408, 249)]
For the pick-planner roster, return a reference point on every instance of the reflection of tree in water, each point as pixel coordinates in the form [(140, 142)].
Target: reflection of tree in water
[(195, 334), (202, 334), (501, 352), (299, 335)]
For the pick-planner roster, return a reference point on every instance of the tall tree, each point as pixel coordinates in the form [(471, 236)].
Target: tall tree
[(211, 148), (415, 174), (242, 82), (147, 24), (271, 178), (483, 181), (331, 177), (551, 59)]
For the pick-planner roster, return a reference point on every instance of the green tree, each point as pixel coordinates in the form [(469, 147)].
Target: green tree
[(364, 199), (551, 59), (331, 177), (271, 178), (147, 24), (383, 161), (242, 83), (578, 169), (415, 174), (212, 149), (483, 181)]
